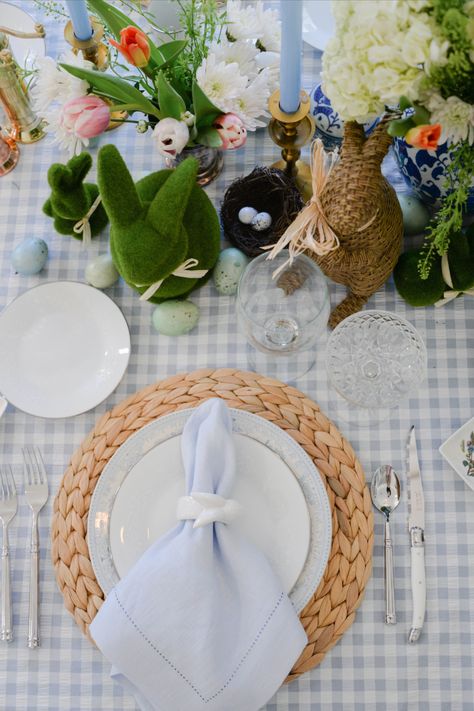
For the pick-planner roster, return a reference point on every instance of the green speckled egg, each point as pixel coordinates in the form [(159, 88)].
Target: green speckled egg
[(229, 266), (174, 318), (415, 214), (101, 272)]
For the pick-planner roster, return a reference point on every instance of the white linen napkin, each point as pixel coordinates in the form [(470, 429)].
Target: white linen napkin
[(201, 620)]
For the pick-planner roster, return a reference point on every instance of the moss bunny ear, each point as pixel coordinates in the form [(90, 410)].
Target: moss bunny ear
[(79, 166), (166, 212), (59, 177), (117, 188)]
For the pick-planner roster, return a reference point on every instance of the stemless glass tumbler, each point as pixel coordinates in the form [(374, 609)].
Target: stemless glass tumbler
[(282, 315)]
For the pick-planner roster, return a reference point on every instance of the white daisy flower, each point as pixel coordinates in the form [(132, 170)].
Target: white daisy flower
[(54, 84), (222, 83), (251, 103), (63, 138), (269, 38), (240, 52), (455, 116), (242, 21)]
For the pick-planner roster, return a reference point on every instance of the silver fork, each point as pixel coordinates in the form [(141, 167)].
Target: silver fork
[(36, 492), (8, 506)]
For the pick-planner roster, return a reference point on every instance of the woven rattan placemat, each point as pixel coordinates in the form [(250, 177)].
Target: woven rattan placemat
[(331, 610)]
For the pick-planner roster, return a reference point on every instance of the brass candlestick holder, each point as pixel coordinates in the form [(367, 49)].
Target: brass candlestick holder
[(291, 132), (93, 49)]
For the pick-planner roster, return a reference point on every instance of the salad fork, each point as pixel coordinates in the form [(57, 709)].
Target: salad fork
[(8, 506), (36, 492)]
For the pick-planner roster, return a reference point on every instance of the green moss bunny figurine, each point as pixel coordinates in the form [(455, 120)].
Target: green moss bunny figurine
[(71, 198), (449, 276), (165, 233)]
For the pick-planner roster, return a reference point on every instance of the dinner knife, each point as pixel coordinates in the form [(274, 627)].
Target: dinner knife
[(416, 527)]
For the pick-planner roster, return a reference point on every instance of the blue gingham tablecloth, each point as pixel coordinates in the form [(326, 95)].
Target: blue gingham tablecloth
[(372, 667)]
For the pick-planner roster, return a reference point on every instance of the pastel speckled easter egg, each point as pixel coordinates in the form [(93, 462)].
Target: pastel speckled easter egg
[(175, 318), (29, 257), (246, 215), (415, 214), (229, 266), (101, 272)]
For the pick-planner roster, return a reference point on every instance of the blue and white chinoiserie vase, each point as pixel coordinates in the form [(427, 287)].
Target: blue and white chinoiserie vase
[(425, 171), (329, 125)]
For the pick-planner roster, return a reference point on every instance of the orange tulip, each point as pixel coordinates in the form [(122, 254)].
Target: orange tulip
[(134, 46), (424, 136)]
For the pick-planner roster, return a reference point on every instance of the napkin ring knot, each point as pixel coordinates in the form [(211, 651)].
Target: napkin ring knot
[(206, 508)]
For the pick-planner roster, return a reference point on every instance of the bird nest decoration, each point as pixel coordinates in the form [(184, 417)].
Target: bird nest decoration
[(267, 190)]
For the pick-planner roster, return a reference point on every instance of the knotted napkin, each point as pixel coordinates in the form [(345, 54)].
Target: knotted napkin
[(201, 620)]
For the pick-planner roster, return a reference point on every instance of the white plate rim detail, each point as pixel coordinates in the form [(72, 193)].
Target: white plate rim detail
[(269, 434)]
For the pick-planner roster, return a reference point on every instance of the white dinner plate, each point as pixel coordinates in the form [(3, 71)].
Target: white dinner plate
[(318, 23), (285, 513), (24, 50), (64, 347)]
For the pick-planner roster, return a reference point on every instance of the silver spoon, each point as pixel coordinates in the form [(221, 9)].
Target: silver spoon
[(385, 492)]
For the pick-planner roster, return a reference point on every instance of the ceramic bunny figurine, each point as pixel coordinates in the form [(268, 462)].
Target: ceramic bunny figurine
[(165, 233), (71, 198)]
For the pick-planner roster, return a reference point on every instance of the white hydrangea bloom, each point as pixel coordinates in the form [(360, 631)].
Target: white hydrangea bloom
[(455, 116), (378, 54)]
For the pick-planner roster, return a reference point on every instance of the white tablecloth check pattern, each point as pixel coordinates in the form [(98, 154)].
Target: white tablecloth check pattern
[(372, 668)]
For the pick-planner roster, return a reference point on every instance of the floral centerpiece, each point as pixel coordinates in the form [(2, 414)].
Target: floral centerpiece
[(417, 57), (208, 89)]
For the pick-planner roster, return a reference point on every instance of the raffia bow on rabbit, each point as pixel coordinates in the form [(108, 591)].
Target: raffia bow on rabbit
[(352, 226)]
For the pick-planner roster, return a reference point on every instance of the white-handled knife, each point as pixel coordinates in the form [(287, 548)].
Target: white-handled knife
[(416, 527)]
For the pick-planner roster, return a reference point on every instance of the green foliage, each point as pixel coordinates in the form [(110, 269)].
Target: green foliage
[(170, 102), (441, 7), (455, 78), (204, 110), (202, 22), (114, 88), (448, 221)]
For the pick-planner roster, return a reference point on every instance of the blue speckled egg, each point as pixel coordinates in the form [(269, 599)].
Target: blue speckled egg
[(174, 318), (262, 221), (29, 257), (246, 215), (415, 214), (101, 272), (229, 266)]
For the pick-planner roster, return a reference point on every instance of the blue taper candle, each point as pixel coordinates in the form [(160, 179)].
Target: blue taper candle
[(291, 12), (80, 19)]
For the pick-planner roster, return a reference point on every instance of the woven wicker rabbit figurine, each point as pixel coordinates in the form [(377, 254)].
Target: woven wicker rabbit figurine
[(362, 209)]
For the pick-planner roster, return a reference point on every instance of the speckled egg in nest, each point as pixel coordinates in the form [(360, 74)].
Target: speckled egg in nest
[(267, 190)]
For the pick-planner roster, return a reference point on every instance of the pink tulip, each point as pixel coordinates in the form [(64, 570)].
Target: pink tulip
[(86, 116), (231, 130)]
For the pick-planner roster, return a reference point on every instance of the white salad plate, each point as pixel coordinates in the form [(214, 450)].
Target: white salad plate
[(458, 450), (24, 50), (64, 347), (318, 23), (285, 508)]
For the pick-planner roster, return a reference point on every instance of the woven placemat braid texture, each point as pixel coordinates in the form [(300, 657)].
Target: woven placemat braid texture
[(332, 608)]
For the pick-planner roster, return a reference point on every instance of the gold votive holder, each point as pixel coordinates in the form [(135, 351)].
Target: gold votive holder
[(21, 123), (291, 132), (93, 49)]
